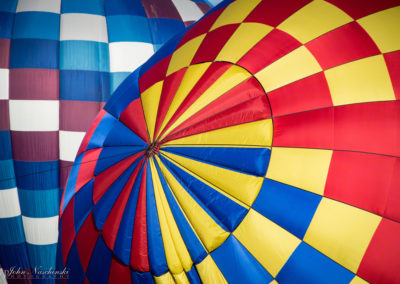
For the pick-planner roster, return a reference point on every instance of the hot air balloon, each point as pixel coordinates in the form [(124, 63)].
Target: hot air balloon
[(262, 146), (59, 62)]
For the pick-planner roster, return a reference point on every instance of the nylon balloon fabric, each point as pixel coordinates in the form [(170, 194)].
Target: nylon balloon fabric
[(59, 63), (262, 146)]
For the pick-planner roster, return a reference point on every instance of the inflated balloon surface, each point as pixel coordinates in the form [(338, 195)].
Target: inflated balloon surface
[(263, 145), (59, 63)]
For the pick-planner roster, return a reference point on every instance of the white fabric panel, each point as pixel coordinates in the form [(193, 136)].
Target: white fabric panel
[(4, 84), (188, 10), (9, 203), (127, 56), (69, 144), (41, 231), (39, 5), (83, 27), (34, 115), (3, 279)]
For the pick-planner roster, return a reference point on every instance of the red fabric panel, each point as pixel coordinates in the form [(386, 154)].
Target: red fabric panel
[(213, 43), (358, 9), (4, 115), (393, 64), (86, 168), (78, 115), (156, 73), (65, 168), (67, 229), (38, 146), (381, 261), (245, 91), (170, 86), (367, 181), (309, 93), (310, 129), (4, 53), (161, 9), (104, 180), (111, 226), (119, 273), (248, 111), (34, 84), (86, 240), (133, 117), (90, 132), (272, 47), (139, 251), (274, 12), (347, 43)]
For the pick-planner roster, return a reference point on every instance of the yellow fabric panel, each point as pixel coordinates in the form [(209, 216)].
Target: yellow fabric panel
[(303, 168), (181, 278), (364, 80), (177, 255), (266, 241), (246, 36), (273, 282), (252, 133), (384, 28), (209, 272), (230, 79), (183, 56), (206, 182), (313, 20), (209, 232), (191, 77), (164, 279), (241, 186), (358, 280), (150, 100), (342, 232), (236, 12), (296, 65)]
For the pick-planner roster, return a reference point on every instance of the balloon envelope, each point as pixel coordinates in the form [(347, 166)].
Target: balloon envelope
[(262, 145)]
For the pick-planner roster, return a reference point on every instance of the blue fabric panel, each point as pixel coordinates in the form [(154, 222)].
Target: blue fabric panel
[(101, 132), (83, 204), (126, 93), (193, 276), (8, 6), (6, 24), (71, 182), (81, 85), (124, 7), (157, 259), (37, 175), (123, 242), (39, 203), (84, 55), (136, 28), (42, 257), (110, 156), (193, 244), (100, 263), (59, 259), (76, 273), (5, 145), (289, 207), (142, 277), (307, 265), (103, 207), (164, 29), (116, 78), (79, 6), (12, 231), (238, 265), (227, 211), (120, 135), (7, 174), (14, 255), (248, 160), (34, 53), (41, 25)]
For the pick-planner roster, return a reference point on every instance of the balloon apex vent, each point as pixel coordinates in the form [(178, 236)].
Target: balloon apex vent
[(152, 149)]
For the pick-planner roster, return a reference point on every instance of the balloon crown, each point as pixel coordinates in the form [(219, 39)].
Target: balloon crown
[(152, 149)]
